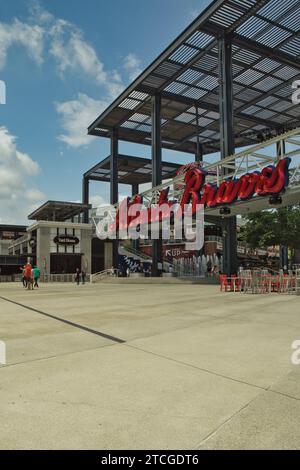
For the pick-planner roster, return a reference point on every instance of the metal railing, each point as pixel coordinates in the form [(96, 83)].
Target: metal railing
[(20, 240), (260, 281), (11, 278), (61, 278), (137, 253), (44, 278), (97, 277), (148, 258), (13, 260)]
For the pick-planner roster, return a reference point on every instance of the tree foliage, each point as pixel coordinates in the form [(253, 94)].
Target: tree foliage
[(273, 227)]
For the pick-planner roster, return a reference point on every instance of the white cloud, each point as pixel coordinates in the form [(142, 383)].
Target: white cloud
[(16, 169), (44, 36), (76, 115), (44, 33), (38, 14), (132, 65), (73, 53), (28, 165), (97, 201), (34, 195), (31, 37)]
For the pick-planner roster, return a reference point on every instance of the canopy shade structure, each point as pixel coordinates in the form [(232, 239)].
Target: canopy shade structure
[(59, 211), (12, 228), (265, 44), (131, 170)]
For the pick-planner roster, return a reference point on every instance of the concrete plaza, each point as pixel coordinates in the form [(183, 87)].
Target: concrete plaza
[(148, 366)]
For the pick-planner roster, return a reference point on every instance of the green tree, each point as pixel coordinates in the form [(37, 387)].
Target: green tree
[(273, 227)]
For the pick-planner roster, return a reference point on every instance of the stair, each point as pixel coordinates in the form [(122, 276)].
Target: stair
[(159, 280), (130, 252)]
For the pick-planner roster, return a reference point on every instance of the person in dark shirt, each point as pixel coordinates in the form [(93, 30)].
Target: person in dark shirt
[(77, 276)]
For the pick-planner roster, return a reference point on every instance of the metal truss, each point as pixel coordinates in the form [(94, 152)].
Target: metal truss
[(234, 166), (253, 159)]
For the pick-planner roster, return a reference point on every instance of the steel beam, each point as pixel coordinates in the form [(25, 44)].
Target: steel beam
[(227, 145), (85, 198), (156, 174), (280, 149), (207, 105), (134, 189), (114, 150), (114, 167), (134, 192), (272, 53), (284, 252), (226, 97), (194, 26), (199, 153), (199, 148), (284, 258)]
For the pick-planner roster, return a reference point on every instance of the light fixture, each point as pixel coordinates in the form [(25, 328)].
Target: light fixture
[(225, 211), (275, 200)]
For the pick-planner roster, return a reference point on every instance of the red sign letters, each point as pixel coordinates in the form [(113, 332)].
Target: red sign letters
[(271, 180)]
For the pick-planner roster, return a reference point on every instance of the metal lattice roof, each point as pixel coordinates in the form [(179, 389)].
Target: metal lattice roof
[(265, 60), (131, 170), (58, 210)]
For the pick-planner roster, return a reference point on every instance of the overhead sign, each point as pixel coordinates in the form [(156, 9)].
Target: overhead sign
[(271, 180), (66, 240)]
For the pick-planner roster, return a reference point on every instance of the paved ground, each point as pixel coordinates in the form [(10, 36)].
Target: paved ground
[(198, 369)]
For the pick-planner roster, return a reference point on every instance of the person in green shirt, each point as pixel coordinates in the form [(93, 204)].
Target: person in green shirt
[(36, 276)]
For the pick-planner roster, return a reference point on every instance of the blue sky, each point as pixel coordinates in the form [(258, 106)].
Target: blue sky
[(70, 58)]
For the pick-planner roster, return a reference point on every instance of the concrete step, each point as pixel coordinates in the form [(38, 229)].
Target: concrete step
[(159, 280)]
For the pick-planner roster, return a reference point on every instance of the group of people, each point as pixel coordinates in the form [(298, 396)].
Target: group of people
[(30, 276)]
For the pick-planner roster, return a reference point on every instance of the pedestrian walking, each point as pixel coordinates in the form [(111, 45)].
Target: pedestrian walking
[(77, 276), (23, 276), (83, 275), (27, 276), (36, 276)]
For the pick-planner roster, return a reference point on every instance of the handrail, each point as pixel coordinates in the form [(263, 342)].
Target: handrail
[(102, 274), (66, 277), (138, 253), (144, 256)]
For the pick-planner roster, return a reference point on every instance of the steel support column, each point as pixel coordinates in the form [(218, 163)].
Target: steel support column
[(156, 174), (284, 252), (280, 149), (134, 192), (114, 150), (114, 167), (85, 197), (134, 189), (199, 148), (227, 145), (199, 153)]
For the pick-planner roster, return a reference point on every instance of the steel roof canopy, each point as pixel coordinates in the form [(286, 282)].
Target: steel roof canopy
[(58, 210), (131, 170), (265, 37)]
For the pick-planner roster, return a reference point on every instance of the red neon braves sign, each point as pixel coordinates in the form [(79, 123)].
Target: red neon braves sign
[(271, 180)]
